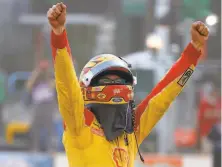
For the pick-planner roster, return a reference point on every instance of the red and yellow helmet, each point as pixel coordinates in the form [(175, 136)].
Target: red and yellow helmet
[(99, 66)]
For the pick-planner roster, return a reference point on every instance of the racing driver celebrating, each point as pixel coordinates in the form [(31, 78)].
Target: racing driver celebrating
[(103, 127)]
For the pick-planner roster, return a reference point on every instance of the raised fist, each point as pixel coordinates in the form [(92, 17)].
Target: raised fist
[(57, 17), (199, 34)]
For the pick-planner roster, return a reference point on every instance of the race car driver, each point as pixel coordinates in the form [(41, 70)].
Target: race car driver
[(103, 128)]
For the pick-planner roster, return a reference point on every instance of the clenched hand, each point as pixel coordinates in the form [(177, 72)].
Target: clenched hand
[(199, 34), (57, 17)]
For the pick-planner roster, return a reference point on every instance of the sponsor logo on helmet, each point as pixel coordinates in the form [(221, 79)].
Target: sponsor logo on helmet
[(116, 91), (130, 87), (117, 99), (97, 88), (101, 96)]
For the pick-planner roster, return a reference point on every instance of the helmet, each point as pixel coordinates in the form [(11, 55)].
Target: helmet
[(102, 65)]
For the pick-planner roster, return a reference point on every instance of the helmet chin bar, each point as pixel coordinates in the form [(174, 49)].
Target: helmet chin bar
[(108, 94)]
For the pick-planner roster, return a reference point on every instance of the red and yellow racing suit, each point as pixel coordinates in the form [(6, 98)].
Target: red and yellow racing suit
[(84, 141)]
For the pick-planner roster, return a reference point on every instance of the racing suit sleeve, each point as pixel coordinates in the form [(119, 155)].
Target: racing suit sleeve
[(70, 99), (154, 106)]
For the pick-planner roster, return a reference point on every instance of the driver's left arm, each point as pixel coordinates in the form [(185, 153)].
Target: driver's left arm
[(154, 106)]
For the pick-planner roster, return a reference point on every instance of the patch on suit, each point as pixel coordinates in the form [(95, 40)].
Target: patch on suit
[(120, 157), (185, 77)]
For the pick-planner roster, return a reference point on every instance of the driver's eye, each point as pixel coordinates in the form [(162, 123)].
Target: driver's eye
[(105, 81), (119, 81)]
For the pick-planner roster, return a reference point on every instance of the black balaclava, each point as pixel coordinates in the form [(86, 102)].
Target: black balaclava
[(114, 119)]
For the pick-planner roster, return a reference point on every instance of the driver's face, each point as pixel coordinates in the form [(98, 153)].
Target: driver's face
[(112, 77), (111, 80)]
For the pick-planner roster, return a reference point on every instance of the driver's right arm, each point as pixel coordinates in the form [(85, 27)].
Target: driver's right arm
[(70, 99)]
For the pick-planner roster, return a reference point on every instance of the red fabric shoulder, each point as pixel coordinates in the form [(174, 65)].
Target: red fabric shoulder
[(89, 117)]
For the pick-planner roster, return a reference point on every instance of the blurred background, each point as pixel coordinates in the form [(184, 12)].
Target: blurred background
[(149, 34)]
